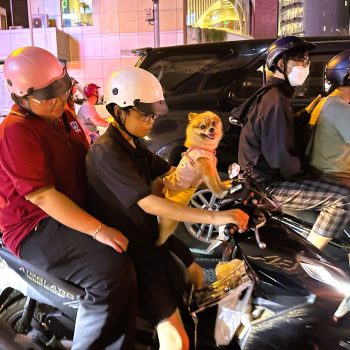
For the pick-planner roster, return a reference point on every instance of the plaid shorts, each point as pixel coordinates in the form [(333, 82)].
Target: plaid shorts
[(331, 200)]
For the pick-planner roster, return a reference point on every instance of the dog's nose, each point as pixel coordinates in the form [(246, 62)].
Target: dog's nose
[(211, 129)]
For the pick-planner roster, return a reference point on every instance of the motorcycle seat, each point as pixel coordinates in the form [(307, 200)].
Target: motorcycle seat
[(309, 216), (27, 270)]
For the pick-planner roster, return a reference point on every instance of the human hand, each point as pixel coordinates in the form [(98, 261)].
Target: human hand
[(112, 237), (157, 187), (313, 103), (234, 216)]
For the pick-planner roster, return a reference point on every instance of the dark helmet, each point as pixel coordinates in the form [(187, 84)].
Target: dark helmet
[(337, 69), (285, 44)]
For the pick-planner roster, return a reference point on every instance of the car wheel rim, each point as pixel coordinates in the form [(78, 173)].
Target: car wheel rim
[(203, 199)]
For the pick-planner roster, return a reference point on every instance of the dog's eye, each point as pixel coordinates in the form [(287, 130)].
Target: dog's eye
[(213, 123), (202, 127)]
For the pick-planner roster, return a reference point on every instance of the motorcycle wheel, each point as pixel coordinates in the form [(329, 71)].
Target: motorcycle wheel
[(11, 315)]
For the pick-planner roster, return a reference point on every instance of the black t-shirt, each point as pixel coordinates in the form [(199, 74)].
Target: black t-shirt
[(119, 175)]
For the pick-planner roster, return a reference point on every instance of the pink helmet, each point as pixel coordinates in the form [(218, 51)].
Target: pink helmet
[(90, 89), (34, 71)]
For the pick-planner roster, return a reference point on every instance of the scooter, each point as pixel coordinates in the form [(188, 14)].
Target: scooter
[(284, 293), (42, 308), (297, 298)]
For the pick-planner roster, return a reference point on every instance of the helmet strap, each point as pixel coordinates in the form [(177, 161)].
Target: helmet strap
[(19, 100), (111, 109), (284, 71)]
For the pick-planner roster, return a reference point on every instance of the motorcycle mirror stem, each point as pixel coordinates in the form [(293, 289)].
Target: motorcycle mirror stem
[(219, 239)]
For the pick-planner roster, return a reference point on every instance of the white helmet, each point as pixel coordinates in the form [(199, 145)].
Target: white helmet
[(136, 87)]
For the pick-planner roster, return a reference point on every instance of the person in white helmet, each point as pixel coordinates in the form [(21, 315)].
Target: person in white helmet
[(121, 172), (43, 196)]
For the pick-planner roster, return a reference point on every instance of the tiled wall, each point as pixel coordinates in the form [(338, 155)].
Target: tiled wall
[(118, 27)]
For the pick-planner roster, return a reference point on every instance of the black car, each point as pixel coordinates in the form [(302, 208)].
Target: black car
[(218, 77)]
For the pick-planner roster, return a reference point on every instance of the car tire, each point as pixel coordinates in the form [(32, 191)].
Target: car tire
[(199, 236)]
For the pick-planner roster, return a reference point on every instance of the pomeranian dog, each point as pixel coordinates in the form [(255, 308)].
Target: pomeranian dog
[(197, 165)]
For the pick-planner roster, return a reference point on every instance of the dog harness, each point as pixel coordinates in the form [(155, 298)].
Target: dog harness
[(183, 182)]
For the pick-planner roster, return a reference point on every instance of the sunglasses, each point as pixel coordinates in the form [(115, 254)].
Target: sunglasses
[(48, 101)]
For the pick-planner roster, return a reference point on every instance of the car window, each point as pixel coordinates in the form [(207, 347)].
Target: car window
[(195, 78), (252, 82), (193, 72), (314, 84)]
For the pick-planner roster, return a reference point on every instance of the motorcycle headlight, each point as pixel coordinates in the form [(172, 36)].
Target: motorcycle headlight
[(321, 274)]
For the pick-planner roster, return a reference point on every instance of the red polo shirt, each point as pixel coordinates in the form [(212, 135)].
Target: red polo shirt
[(36, 153)]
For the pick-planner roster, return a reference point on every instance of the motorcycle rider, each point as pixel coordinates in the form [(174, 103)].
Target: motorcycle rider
[(267, 143), (87, 114), (43, 196), (330, 151), (70, 99), (121, 172)]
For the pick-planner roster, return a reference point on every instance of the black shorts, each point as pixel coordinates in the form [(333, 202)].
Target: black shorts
[(161, 283)]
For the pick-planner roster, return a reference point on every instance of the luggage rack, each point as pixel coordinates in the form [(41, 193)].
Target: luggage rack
[(210, 295)]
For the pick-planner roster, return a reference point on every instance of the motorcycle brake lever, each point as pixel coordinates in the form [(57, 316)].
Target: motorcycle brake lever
[(262, 245), (255, 227)]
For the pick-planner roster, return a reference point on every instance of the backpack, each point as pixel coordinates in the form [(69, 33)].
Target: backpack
[(240, 114)]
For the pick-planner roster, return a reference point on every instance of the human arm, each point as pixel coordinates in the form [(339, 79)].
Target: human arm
[(163, 207), (61, 208), (309, 108), (302, 117), (97, 119)]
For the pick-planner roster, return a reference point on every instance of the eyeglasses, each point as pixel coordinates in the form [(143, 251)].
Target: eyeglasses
[(146, 117), (305, 60)]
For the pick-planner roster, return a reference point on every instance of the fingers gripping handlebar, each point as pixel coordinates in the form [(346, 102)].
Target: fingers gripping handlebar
[(254, 197)]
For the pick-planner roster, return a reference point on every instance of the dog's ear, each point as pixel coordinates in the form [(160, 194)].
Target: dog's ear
[(191, 116)]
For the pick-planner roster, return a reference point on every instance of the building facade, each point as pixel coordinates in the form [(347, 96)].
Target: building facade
[(95, 37), (313, 17), (234, 19), (98, 39)]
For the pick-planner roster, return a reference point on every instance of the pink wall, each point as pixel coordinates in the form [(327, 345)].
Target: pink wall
[(118, 27)]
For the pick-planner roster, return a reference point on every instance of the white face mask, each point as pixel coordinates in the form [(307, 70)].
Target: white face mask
[(298, 75)]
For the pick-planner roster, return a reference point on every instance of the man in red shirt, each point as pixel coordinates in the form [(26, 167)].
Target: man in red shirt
[(42, 196)]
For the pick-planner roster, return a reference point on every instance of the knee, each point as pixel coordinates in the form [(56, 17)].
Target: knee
[(172, 334), (174, 340)]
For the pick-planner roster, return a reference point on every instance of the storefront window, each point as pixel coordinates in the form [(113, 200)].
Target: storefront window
[(76, 13), (222, 16)]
